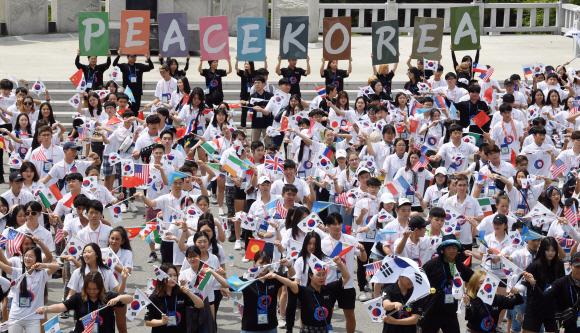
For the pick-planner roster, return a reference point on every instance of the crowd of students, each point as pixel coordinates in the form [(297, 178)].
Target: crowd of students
[(393, 178)]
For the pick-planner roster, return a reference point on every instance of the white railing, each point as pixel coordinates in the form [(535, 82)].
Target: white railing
[(566, 14)]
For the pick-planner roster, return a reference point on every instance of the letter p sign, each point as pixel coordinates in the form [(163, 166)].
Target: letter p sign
[(93, 33)]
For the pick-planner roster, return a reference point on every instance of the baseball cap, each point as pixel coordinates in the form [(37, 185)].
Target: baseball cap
[(403, 201), (500, 219), (441, 170), (71, 144), (387, 198), (263, 179), (16, 176), (164, 67), (361, 170), (575, 260), (418, 222), (341, 153)]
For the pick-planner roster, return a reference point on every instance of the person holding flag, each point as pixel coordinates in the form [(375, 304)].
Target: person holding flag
[(416, 178), (482, 317), (351, 248), (414, 245), (395, 297), (456, 152), (28, 285), (169, 302), (492, 184), (440, 308), (94, 297), (46, 153), (133, 76), (471, 108), (508, 134), (546, 268)]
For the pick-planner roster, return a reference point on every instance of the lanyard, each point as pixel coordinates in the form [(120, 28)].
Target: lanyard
[(524, 200), (134, 69), (167, 307), (89, 309), (34, 278), (319, 307), (267, 302), (334, 79), (505, 132), (168, 87), (491, 319), (98, 235), (418, 245)]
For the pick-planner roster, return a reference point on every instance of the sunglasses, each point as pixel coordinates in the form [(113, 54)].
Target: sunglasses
[(27, 103), (31, 213)]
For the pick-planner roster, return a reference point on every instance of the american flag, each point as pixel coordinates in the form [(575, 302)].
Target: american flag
[(421, 163), (487, 75), (557, 168), (274, 163), (241, 309), (142, 172), (89, 322), (343, 199), (15, 239), (40, 156), (59, 236), (3, 241), (574, 108), (81, 131), (280, 210), (371, 269), (570, 214)]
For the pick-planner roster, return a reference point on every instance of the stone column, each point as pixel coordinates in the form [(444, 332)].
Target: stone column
[(313, 20), (288, 8), (194, 9), (242, 8), (65, 13), (25, 17)]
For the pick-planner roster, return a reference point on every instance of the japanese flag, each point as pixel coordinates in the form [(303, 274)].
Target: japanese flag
[(488, 288), (38, 87), (375, 309)]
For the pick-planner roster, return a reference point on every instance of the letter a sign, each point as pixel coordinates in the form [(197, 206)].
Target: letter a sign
[(464, 28)]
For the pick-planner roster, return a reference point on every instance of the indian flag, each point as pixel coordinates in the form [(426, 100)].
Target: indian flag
[(233, 165), (210, 147), (50, 195), (485, 206)]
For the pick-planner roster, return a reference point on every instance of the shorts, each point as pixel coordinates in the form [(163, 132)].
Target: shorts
[(108, 169), (347, 299), (239, 194), (533, 324), (278, 139), (377, 256)]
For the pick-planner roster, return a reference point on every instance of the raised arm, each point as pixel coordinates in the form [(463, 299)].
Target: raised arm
[(199, 69), (307, 65), (322, 67), (349, 70), (229, 65)]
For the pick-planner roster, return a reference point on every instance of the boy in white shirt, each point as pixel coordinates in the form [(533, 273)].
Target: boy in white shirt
[(508, 134), (165, 87), (96, 232), (44, 156), (15, 196), (540, 155), (413, 244)]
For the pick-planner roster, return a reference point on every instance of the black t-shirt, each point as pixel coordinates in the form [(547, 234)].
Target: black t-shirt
[(336, 78), (323, 105), (263, 293), (541, 307), (467, 110), (426, 74), (175, 302), (412, 87), (294, 75), (246, 83), (213, 80), (393, 294), (82, 308), (310, 299), (386, 81), (478, 313), (137, 69), (259, 120)]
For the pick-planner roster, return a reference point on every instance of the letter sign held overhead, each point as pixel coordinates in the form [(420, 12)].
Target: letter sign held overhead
[(336, 38), (251, 38), (385, 42), (427, 38), (293, 37), (135, 31), (93, 33), (465, 28), (213, 33), (173, 39)]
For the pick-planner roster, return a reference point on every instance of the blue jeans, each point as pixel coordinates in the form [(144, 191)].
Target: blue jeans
[(346, 219), (519, 310), (333, 208), (274, 330)]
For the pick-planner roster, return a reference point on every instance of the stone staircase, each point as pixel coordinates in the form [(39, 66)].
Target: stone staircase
[(62, 91)]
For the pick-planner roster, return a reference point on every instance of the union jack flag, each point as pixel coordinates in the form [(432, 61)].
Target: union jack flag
[(570, 214), (40, 156), (280, 210), (15, 239), (142, 172), (89, 322), (274, 163)]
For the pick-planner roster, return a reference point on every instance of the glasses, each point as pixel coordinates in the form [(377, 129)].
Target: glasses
[(46, 135), (31, 213), (27, 103)]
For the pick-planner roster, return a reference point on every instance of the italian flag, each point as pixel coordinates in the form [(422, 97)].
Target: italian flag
[(50, 195), (233, 165), (485, 206)]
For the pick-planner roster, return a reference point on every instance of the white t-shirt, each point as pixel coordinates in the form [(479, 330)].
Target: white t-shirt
[(526, 199), (40, 232), (469, 207), (35, 283), (457, 158), (126, 258), (434, 136), (514, 130), (21, 199), (303, 188), (570, 159), (169, 200), (100, 235), (348, 259), (539, 161), (53, 154), (422, 176), (495, 268), (487, 224), (61, 169), (489, 189), (421, 252), (372, 206), (392, 164), (452, 94), (164, 90), (76, 281)]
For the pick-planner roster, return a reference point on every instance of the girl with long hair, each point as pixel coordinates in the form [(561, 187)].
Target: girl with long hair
[(552, 108), (523, 195), (553, 202), (174, 70), (385, 75), (192, 118), (213, 130), (26, 106), (31, 179), (120, 244), (414, 76), (416, 179), (537, 105), (333, 75), (177, 101)]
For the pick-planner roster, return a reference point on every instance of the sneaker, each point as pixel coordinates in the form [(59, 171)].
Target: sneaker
[(368, 288), (133, 208), (362, 296), (221, 211), (123, 209), (214, 199), (238, 245), (282, 322), (152, 257), (64, 315), (245, 260)]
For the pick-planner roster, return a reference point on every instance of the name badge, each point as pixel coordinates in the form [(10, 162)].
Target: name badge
[(207, 90), (47, 166), (410, 196), (329, 329), (133, 78), (472, 123), (491, 190), (172, 318), (578, 320), (249, 87), (262, 316), (259, 114), (262, 228), (371, 234), (165, 98), (404, 135), (505, 149), (448, 298), (90, 84), (24, 300), (496, 265)]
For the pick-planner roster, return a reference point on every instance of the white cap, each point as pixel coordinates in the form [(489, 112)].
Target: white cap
[(387, 198), (441, 170), (403, 201), (263, 179), (341, 153), (362, 169)]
